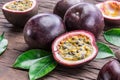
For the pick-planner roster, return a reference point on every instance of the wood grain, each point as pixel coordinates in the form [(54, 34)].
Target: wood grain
[(17, 45)]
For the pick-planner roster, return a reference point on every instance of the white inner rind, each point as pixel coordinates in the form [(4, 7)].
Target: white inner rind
[(33, 5), (106, 16), (61, 60)]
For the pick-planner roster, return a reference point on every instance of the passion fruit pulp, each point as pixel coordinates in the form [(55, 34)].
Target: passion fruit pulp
[(110, 11), (18, 12), (42, 29), (74, 48), (84, 16), (63, 5)]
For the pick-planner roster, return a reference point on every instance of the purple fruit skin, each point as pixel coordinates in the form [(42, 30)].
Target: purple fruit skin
[(111, 22), (84, 16), (63, 5), (110, 71), (19, 19), (42, 29)]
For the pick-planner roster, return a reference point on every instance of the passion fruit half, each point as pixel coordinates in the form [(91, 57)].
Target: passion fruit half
[(17, 12), (110, 11), (84, 16), (74, 48), (42, 29), (63, 5)]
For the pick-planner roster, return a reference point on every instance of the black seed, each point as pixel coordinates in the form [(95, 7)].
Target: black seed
[(65, 42), (88, 42), (80, 44), (80, 49), (73, 38), (71, 53), (80, 39), (77, 42), (64, 47)]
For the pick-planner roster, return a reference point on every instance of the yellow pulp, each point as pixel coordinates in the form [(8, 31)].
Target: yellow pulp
[(20, 5), (112, 9), (75, 48)]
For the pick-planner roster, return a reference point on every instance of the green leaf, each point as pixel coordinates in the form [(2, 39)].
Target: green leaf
[(104, 51), (42, 67), (2, 36), (3, 43), (25, 60), (113, 36)]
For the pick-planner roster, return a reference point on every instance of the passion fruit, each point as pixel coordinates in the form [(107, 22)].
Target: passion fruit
[(110, 71), (74, 48), (63, 5), (84, 16), (18, 12), (42, 29), (110, 11)]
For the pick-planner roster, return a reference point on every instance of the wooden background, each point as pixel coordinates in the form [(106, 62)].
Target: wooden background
[(17, 46)]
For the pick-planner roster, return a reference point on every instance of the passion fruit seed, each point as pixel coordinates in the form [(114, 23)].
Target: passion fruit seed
[(20, 5), (75, 47), (111, 9)]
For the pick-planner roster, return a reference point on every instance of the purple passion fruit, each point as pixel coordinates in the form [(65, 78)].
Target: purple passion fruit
[(84, 16), (18, 12), (110, 11), (74, 48), (110, 71), (42, 29), (63, 5)]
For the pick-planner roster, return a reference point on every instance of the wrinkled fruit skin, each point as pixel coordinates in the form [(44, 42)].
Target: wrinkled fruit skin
[(84, 16), (63, 5), (19, 19), (42, 29), (110, 71)]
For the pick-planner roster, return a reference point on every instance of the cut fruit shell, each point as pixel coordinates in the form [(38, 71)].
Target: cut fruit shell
[(19, 18), (68, 63), (110, 11)]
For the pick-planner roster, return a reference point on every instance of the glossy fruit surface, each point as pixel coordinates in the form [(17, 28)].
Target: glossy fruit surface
[(110, 71), (19, 17), (110, 11), (63, 5), (74, 48), (84, 16), (42, 29)]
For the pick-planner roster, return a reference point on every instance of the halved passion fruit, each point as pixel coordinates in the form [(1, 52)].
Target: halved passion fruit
[(74, 48), (18, 12), (110, 11)]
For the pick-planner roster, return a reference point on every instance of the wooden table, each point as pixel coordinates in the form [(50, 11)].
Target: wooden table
[(17, 46)]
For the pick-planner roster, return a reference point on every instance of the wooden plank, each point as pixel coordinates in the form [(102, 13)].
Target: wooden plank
[(17, 45)]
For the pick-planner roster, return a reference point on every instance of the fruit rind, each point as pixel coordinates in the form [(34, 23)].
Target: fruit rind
[(109, 20), (64, 62), (19, 18)]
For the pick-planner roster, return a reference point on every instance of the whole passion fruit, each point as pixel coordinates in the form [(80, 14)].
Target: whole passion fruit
[(84, 16), (110, 11), (110, 71), (74, 48), (63, 5), (42, 29), (18, 12)]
